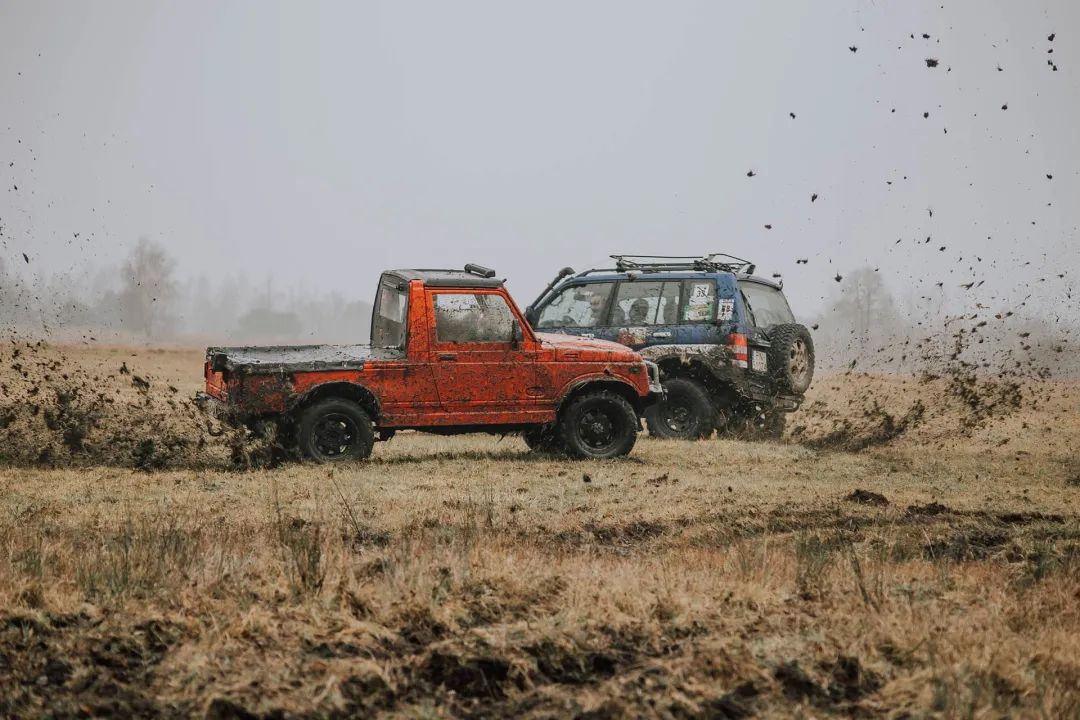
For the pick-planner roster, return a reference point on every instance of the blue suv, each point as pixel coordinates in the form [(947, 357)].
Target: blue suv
[(731, 356)]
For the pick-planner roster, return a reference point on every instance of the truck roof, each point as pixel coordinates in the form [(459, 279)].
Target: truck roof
[(447, 278)]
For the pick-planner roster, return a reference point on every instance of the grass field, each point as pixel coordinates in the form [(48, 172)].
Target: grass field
[(936, 572)]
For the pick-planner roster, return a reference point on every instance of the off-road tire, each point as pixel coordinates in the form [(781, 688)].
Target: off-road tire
[(598, 425), (334, 430), (543, 438), (685, 413), (791, 358)]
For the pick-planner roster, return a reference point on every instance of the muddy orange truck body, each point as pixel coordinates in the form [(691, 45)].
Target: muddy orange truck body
[(450, 352)]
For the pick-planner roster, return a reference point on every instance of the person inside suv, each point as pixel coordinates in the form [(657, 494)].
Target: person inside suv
[(639, 312)]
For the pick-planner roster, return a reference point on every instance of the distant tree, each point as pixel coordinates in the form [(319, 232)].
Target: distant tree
[(147, 288), (865, 307)]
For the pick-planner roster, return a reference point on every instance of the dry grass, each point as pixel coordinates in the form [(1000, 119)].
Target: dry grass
[(463, 576)]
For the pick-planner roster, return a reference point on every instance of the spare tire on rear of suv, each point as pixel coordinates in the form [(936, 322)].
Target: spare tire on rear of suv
[(791, 357)]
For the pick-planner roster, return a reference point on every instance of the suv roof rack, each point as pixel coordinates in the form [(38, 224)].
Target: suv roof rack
[(713, 262)]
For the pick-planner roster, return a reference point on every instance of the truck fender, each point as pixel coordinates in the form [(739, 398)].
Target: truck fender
[(600, 380), (343, 389)]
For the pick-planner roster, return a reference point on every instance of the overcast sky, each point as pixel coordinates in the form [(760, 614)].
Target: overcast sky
[(320, 142)]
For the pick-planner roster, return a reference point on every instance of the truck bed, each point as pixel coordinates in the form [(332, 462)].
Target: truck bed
[(297, 358)]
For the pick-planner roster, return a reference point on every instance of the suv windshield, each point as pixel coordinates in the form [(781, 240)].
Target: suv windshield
[(767, 304), (388, 328)]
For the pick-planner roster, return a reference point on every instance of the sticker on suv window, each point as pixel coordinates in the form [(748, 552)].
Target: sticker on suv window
[(700, 302), (727, 309)]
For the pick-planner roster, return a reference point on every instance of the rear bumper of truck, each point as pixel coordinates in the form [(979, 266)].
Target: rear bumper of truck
[(216, 409)]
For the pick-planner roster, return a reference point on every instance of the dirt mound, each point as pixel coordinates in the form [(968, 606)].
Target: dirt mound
[(57, 412), (867, 497), (87, 670), (872, 426)]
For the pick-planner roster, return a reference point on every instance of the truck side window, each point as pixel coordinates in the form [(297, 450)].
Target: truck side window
[(579, 306), (465, 318)]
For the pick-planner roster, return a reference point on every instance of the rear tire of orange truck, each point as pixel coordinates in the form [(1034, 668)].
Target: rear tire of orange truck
[(598, 425), (543, 438), (335, 430)]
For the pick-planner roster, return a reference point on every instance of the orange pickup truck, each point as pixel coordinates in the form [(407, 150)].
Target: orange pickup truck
[(450, 353)]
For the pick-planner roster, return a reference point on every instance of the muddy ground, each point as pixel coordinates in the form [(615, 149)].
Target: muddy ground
[(915, 556)]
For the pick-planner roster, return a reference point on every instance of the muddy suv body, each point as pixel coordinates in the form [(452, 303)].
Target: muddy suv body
[(731, 356), (450, 352)]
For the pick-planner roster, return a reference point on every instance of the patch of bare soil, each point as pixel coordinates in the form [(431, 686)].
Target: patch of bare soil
[(68, 665)]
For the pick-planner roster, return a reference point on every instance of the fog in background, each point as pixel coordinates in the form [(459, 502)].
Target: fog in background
[(274, 158)]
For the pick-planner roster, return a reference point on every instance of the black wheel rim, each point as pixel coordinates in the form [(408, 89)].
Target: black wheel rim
[(598, 430), (333, 435), (678, 418)]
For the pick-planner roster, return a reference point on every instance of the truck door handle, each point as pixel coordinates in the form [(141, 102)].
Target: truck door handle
[(661, 334), (447, 356), (587, 335)]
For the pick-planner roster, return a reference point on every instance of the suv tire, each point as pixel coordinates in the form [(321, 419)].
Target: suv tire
[(597, 426), (686, 413), (335, 430), (791, 357)]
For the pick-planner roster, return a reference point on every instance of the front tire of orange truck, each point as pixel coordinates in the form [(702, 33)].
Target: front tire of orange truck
[(334, 430), (598, 425)]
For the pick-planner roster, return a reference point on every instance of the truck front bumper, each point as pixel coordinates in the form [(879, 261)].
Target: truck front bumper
[(656, 388)]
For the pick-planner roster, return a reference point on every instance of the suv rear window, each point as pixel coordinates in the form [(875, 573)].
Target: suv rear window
[(767, 305)]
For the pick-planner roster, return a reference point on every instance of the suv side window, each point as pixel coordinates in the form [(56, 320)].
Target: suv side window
[(767, 304), (583, 306), (646, 303), (465, 318)]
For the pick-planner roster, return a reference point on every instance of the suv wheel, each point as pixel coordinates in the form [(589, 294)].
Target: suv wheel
[(791, 357), (335, 430), (598, 425), (686, 413)]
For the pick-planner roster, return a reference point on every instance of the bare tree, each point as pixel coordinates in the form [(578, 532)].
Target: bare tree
[(148, 288), (866, 307)]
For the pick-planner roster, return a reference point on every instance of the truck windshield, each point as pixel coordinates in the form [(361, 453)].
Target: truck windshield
[(767, 304), (388, 327)]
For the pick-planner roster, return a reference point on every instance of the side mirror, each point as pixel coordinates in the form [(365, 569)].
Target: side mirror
[(517, 334)]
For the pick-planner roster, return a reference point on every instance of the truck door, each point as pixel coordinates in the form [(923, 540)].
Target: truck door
[(482, 375)]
